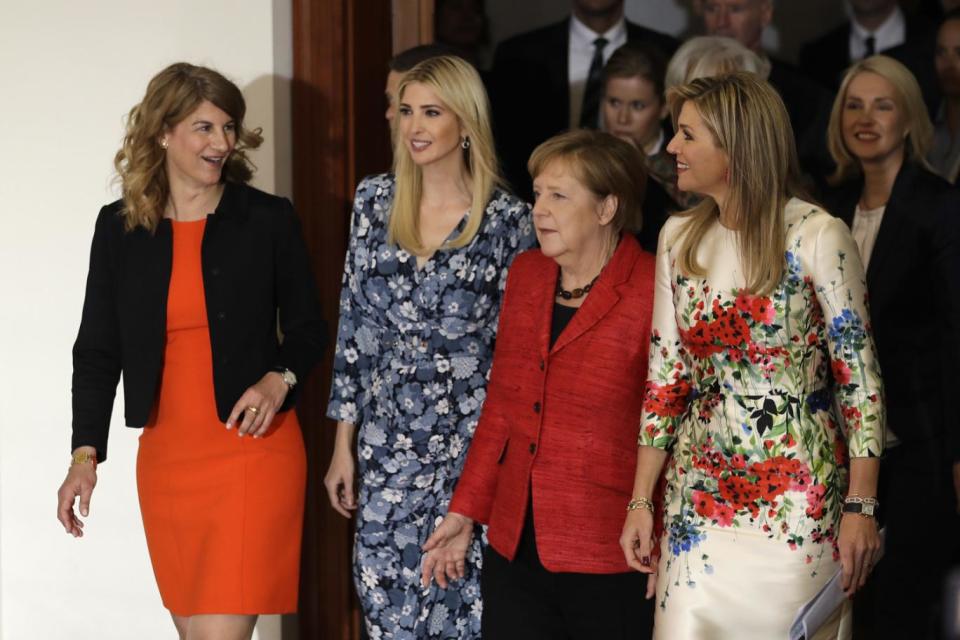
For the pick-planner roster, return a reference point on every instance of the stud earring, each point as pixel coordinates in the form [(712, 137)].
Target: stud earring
[(163, 145), (465, 143)]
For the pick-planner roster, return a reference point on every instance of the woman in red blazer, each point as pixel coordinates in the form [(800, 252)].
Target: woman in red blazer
[(550, 469)]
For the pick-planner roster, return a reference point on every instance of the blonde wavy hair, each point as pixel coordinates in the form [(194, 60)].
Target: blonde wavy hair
[(457, 84), (171, 96), (909, 101), (749, 123)]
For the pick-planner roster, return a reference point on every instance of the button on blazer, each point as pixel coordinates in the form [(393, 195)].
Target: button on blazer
[(562, 421), (254, 264)]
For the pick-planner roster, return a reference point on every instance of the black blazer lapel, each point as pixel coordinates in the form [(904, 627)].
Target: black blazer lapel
[(842, 201), (884, 255)]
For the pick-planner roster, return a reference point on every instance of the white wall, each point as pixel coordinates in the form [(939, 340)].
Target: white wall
[(69, 72)]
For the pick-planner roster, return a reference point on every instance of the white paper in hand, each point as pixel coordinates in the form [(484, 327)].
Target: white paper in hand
[(820, 607)]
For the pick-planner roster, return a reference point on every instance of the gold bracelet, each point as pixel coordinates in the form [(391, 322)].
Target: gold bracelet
[(640, 503), (82, 457)]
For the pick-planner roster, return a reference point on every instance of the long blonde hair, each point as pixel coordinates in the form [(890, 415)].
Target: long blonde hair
[(171, 96), (459, 87), (749, 123), (909, 99)]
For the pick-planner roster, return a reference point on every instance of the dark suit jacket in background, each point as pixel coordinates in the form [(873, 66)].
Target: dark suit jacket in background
[(808, 105), (531, 92), (914, 284), (561, 422), (254, 261), (826, 58)]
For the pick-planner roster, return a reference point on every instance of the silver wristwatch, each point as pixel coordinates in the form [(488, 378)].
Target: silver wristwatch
[(288, 376)]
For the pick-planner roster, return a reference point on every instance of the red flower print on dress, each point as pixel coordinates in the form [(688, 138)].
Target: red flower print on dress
[(667, 399), (762, 310), (700, 340), (739, 492), (731, 329), (723, 515), (841, 372), (704, 504), (815, 501)]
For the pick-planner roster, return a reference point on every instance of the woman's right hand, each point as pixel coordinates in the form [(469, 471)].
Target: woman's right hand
[(339, 481), (80, 481), (636, 540)]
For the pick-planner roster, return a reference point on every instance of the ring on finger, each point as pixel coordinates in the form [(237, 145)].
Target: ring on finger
[(253, 410)]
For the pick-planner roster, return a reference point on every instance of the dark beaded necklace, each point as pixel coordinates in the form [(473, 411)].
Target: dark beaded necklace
[(579, 292)]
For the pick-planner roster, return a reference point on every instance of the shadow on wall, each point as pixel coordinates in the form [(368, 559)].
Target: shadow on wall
[(268, 107)]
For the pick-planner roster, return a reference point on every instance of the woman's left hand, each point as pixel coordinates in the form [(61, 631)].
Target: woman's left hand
[(258, 405), (859, 544), (446, 550)]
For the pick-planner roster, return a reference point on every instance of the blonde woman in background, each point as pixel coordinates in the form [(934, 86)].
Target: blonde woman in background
[(425, 270), (906, 222), (759, 319)]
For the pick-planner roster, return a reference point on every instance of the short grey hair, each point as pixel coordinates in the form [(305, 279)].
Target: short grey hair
[(708, 56)]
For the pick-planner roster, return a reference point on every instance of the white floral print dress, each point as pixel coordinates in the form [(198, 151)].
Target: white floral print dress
[(760, 400)]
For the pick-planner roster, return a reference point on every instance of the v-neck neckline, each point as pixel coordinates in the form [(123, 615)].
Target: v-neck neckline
[(455, 232)]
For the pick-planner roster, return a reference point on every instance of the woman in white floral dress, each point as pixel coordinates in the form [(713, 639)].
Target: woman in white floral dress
[(762, 380)]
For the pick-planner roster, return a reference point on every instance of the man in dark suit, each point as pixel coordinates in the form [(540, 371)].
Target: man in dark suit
[(878, 26), (548, 80), (807, 102)]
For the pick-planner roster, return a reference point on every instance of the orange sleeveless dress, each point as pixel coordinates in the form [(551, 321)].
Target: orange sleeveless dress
[(222, 514)]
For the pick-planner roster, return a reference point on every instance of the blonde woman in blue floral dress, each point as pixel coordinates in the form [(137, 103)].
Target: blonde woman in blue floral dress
[(425, 270), (763, 385)]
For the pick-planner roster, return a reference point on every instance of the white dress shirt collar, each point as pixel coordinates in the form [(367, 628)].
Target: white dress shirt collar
[(892, 33), (580, 54), (582, 35)]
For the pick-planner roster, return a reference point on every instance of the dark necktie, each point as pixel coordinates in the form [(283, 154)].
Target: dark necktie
[(591, 95), (871, 44)]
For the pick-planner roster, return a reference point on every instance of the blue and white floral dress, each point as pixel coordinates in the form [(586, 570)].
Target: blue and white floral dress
[(414, 348)]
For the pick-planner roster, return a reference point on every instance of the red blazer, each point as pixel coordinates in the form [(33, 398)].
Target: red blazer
[(563, 422)]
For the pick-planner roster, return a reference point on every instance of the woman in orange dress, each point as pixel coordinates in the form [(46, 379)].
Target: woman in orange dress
[(189, 273)]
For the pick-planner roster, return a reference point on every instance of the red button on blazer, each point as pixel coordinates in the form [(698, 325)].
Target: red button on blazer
[(563, 421)]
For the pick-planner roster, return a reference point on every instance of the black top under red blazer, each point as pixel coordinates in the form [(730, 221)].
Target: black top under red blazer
[(254, 262), (562, 422), (914, 283)]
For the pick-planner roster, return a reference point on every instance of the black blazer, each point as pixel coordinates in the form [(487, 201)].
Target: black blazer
[(808, 105), (530, 91), (826, 58), (254, 262), (914, 285)]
